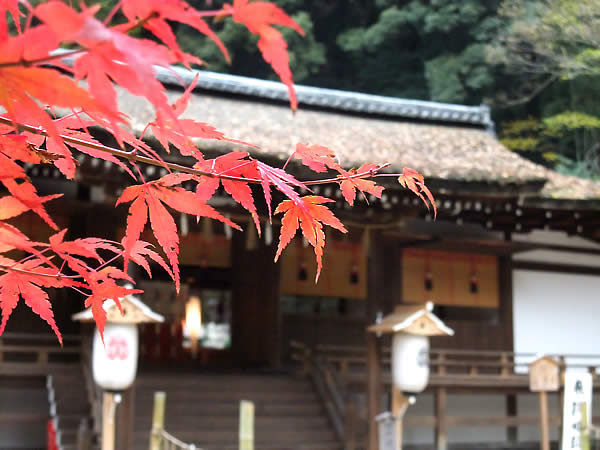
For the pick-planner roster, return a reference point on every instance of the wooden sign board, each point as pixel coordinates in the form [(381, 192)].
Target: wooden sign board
[(544, 375), (386, 424)]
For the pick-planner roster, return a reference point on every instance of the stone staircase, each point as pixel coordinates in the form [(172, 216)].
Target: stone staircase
[(23, 412), (69, 406), (203, 409)]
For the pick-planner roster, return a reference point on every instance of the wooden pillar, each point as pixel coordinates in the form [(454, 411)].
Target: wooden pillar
[(384, 275), (441, 422), (511, 411), (256, 330), (505, 281), (373, 386)]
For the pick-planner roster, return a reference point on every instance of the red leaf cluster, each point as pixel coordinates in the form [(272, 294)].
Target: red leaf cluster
[(49, 116)]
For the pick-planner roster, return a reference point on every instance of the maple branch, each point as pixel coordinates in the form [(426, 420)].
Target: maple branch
[(133, 156), (37, 274), (44, 60)]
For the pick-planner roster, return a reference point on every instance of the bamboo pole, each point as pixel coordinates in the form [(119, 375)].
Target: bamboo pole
[(158, 420), (544, 431), (400, 403), (246, 430), (108, 420)]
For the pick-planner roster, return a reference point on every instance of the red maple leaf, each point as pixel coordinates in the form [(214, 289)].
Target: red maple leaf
[(155, 13), (111, 56), (11, 207), (235, 165), (413, 180), (259, 17), (350, 184), (16, 284), (282, 181), (149, 201), (310, 219), (11, 6), (104, 287), (140, 251)]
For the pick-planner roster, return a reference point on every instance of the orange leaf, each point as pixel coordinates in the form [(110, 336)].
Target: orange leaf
[(310, 217), (349, 186), (413, 180)]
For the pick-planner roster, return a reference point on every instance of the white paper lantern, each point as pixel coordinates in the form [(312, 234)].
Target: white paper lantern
[(114, 364), (410, 362)]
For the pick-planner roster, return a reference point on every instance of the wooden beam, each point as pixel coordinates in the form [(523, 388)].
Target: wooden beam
[(561, 248), (555, 267)]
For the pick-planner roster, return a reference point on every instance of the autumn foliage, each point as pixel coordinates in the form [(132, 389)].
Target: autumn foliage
[(36, 89)]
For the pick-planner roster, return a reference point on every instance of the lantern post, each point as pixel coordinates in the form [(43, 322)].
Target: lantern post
[(410, 327), (114, 360)]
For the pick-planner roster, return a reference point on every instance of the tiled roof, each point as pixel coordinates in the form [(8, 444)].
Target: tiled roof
[(330, 98)]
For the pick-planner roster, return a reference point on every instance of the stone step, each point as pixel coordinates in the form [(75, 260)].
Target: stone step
[(203, 438), (261, 423)]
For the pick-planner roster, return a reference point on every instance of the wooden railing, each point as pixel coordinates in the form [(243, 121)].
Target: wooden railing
[(160, 439), (460, 366), (93, 391), (339, 405), (36, 354), (496, 372)]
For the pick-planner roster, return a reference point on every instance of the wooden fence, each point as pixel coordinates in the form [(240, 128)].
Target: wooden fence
[(339, 373), (36, 354), (160, 439)]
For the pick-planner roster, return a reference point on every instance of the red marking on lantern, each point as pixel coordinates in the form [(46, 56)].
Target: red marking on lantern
[(117, 348)]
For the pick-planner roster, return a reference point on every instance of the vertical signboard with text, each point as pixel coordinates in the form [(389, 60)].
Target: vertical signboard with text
[(577, 409)]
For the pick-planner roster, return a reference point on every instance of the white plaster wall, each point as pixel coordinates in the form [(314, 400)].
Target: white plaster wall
[(556, 312)]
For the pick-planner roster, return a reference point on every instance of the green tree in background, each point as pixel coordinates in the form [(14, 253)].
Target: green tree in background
[(553, 48), (536, 62)]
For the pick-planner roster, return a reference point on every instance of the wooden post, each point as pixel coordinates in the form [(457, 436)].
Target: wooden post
[(544, 432), (544, 377), (373, 386), (511, 411), (350, 423), (158, 420), (84, 435), (441, 423), (399, 404), (125, 419), (108, 420)]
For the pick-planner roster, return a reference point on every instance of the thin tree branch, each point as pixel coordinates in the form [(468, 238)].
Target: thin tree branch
[(133, 156)]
